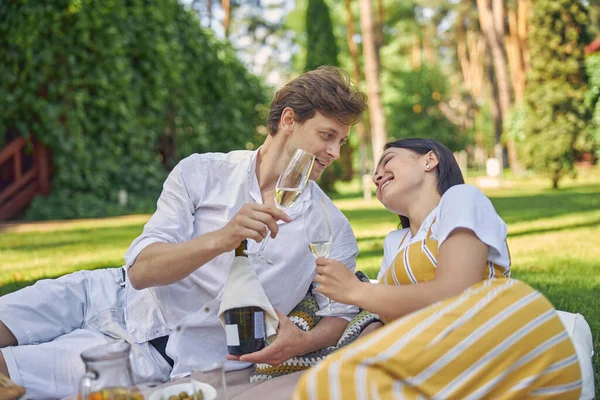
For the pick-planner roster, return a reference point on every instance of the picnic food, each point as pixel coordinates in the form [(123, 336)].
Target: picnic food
[(199, 395), (9, 390), (118, 393)]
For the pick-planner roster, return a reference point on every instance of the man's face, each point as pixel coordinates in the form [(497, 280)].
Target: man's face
[(321, 136)]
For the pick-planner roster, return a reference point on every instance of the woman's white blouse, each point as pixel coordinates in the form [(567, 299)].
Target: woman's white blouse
[(462, 206)]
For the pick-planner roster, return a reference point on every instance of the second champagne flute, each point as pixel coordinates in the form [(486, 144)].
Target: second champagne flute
[(318, 231)]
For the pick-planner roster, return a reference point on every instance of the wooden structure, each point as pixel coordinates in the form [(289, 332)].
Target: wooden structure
[(22, 175)]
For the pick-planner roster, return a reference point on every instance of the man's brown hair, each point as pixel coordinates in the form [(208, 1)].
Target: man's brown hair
[(327, 90)]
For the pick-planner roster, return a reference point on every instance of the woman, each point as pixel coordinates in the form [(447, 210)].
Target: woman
[(457, 327)]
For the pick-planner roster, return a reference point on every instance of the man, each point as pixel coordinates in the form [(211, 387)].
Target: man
[(165, 300)]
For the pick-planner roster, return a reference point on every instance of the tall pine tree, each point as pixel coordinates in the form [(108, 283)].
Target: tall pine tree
[(322, 47), (321, 50), (556, 112)]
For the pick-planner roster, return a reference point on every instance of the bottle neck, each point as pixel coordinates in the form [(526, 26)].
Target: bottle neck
[(240, 251)]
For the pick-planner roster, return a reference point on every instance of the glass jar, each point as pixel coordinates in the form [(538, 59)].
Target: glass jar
[(108, 373)]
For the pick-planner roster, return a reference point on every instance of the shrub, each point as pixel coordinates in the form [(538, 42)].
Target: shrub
[(119, 91)]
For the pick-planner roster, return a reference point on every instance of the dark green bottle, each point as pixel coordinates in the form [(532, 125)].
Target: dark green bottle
[(244, 326)]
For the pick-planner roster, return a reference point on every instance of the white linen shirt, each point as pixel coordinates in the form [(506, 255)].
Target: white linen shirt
[(202, 194), (462, 206)]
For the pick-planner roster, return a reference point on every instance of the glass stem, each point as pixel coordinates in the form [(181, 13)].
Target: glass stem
[(264, 242)]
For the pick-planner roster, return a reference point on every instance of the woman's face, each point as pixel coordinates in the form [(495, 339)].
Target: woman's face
[(399, 172)]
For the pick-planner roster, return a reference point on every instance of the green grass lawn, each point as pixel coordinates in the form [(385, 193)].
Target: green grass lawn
[(554, 238)]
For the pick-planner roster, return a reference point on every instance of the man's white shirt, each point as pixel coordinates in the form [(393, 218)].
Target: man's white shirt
[(202, 194)]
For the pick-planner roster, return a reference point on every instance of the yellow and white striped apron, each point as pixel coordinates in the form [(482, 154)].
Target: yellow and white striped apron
[(498, 339)]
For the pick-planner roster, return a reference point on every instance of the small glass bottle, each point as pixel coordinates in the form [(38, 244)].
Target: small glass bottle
[(108, 373), (244, 326)]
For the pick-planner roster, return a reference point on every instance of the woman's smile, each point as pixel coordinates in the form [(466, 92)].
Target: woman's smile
[(385, 183)]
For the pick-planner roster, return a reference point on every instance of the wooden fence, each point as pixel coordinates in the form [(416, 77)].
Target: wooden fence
[(22, 176)]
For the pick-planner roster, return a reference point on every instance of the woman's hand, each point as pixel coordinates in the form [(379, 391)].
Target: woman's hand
[(337, 282)]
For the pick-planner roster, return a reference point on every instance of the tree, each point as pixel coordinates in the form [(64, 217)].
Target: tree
[(470, 45), (119, 91), (517, 50), (556, 114), (470, 51), (376, 115), (357, 76), (594, 13), (322, 49), (227, 18), (519, 60), (417, 112), (592, 67), (491, 19)]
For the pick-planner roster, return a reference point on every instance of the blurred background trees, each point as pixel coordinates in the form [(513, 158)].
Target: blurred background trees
[(322, 49), (120, 92), (555, 114), (592, 96)]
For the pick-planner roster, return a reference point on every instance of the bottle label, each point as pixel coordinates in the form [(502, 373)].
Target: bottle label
[(232, 335), (259, 325)]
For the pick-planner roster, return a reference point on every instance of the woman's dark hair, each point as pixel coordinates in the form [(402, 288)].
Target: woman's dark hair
[(447, 171)]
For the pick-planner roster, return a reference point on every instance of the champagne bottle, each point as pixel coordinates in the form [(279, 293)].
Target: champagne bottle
[(244, 326)]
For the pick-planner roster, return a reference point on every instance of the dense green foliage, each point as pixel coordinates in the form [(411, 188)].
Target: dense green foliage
[(556, 114), (414, 109), (119, 91), (321, 47), (592, 66)]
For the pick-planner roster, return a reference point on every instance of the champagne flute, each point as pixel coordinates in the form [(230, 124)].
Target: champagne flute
[(289, 187), (318, 231)]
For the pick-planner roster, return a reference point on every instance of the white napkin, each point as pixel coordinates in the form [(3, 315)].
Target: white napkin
[(243, 289)]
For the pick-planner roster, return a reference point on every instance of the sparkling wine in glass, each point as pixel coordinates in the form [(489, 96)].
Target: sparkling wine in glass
[(288, 189), (318, 231), (285, 197), (320, 249)]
